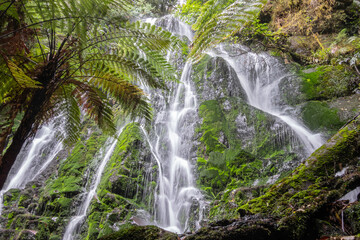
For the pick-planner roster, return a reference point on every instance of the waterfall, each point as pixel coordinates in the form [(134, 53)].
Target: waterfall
[(260, 76), (177, 191), (177, 195), (35, 156), (76, 221)]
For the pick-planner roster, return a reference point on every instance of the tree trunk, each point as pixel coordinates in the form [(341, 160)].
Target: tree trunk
[(22, 133)]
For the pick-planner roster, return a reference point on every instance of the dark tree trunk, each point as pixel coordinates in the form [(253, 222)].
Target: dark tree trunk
[(41, 98), (21, 134)]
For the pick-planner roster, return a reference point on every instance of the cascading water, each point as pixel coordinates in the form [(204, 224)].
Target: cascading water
[(76, 221), (177, 191), (35, 157), (260, 76), (174, 127)]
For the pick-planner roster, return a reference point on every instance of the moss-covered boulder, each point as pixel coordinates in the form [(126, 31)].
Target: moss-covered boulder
[(327, 82), (302, 204), (135, 232), (320, 117)]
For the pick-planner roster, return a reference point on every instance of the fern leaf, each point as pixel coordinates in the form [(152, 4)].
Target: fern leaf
[(223, 25), (21, 78), (95, 104), (71, 112)]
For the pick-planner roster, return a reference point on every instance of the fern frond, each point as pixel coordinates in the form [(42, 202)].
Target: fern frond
[(20, 77), (128, 66), (95, 104), (155, 38), (223, 25), (71, 111), (210, 8), (130, 97), (164, 69), (7, 84)]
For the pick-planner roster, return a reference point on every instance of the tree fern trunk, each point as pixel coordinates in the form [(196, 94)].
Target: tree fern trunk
[(29, 122)]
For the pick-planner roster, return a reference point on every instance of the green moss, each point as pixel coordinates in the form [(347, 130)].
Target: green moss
[(319, 117), (327, 82), (312, 183), (66, 185), (11, 197), (128, 231), (60, 191), (121, 188), (213, 123)]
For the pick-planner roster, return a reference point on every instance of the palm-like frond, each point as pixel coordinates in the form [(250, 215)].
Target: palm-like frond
[(20, 77), (95, 104), (7, 83), (131, 98), (209, 10), (71, 112), (155, 38), (224, 25)]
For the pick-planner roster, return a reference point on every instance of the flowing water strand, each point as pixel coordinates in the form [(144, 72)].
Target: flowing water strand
[(76, 221), (35, 156), (260, 76), (176, 193), (176, 186)]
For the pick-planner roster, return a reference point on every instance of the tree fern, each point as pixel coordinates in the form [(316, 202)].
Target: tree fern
[(223, 25), (74, 58)]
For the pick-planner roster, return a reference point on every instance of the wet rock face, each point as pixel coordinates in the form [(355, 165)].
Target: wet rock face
[(217, 80)]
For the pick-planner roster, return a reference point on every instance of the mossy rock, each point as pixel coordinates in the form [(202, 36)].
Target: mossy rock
[(298, 198), (319, 117), (140, 233), (327, 82)]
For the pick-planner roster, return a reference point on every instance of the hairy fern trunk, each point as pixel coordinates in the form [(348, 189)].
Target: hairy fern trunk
[(28, 124)]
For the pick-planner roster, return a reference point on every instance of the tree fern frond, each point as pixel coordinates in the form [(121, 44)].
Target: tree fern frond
[(210, 8), (130, 97), (95, 104), (224, 25), (71, 112), (127, 66), (7, 84), (155, 37), (165, 70), (20, 77), (8, 9)]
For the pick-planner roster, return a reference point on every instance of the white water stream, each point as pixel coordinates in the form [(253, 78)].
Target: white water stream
[(260, 76), (76, 221), (34, 157), (176, 194), (177, 191)]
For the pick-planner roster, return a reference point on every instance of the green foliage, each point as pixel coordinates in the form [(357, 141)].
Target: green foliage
[(77, 56), (209, 10), (121, 190), (215, 28), (57, 196), (256, 32), (141, 8), (222, 166)]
